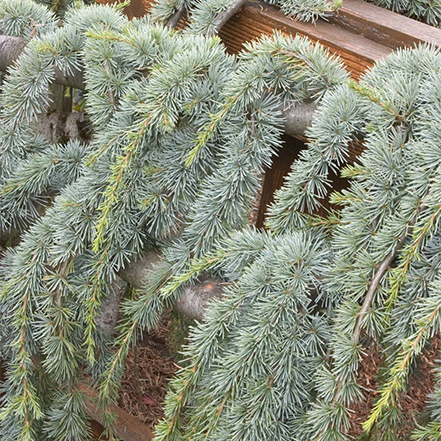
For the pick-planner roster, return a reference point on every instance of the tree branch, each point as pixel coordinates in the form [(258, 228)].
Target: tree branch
[(297, 117), (223, 17), (135, 272), (374, 286), (10, 50), (174, 19), (194, 299), (193, 303), (381, 271)]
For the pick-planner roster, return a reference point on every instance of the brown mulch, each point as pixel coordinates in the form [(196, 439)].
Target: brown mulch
[(412, 402), (421, 385), (367, 373), (144, 385)]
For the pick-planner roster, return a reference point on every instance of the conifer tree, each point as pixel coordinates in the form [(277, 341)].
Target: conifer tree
[(182, 132)]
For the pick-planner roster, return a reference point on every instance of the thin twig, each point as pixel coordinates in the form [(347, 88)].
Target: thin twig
[(370, 296), (109, 93), (375, 284)]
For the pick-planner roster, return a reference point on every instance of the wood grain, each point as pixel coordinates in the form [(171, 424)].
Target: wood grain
[(383, 26)]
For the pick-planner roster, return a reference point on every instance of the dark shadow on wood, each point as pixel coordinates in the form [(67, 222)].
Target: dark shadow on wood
[(274, 176), (281, 165)]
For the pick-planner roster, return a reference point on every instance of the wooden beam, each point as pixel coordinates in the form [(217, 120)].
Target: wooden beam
[(383, 26), (357, 52), (127, 427)]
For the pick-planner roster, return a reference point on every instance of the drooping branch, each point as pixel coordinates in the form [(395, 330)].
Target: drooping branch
[(381, 271), (374, 285), (297, 117), (194, 300), (195, 297)]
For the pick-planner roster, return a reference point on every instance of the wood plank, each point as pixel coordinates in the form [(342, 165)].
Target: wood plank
[(383, 26), (356, 52), (127, 427), (136, 8), (275, 175), (327, 34)]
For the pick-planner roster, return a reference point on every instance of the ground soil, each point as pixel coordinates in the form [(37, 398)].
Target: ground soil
[(148, 370)]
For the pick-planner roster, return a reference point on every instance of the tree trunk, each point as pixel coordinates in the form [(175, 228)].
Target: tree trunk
[(59, 127)]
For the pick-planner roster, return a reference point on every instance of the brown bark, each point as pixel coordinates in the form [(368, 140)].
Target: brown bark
[(59, 127)]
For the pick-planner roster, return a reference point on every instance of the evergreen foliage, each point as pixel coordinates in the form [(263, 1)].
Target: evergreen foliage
[(380, 282), (25, 19), (182, 131)]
